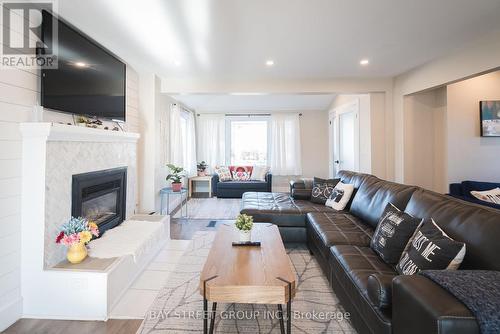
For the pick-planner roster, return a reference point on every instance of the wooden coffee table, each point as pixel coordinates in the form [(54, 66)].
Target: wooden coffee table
[(249, 275)]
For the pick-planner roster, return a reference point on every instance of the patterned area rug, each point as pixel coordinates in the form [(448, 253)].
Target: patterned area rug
[(178, 307), (212, 208)]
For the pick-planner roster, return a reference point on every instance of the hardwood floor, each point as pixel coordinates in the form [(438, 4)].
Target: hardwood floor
[(179, 229), (37, 326)]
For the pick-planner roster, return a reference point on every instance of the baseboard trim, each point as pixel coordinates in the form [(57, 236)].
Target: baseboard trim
[(10, 313)]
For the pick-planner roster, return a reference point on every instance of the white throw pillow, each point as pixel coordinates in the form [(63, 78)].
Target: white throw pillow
[(492, 196), (340, 196), (259, 173)]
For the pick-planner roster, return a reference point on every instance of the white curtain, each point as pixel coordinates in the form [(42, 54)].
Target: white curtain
[(182, 139), (212, 139), (176, 140), (285, 144), (190, 153)]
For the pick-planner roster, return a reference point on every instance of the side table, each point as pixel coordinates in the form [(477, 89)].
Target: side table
[(207, 178), (167, 192)]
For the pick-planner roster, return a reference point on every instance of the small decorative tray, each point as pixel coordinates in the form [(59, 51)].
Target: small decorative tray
[(246, 243)]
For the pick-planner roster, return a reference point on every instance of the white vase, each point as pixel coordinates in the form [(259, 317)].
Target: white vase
[(245, 236)]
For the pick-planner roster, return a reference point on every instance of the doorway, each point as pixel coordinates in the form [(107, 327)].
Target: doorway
[(344, 137)]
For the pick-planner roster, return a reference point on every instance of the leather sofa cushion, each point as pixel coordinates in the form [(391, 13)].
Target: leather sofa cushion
[(477, 226), (359, 263), (373, 196), (350, 268), (380, 290), (278, 203), (340, 229)]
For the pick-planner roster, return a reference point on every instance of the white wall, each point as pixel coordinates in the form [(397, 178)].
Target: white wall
[(471, 157), (19, 92), (425, 139), (478, 57), (373, 141)]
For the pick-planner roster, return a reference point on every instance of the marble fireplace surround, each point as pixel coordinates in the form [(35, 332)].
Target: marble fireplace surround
[(52, 154)]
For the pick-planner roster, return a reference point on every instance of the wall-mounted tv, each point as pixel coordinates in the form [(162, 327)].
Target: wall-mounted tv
[(89, 79), (490, 118)]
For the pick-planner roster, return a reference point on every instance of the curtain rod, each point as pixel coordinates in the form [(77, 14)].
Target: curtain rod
[(183, 107), (241, 115)]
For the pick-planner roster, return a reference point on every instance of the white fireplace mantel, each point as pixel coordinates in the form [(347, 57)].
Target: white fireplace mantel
[(64, 132), (51, 153)]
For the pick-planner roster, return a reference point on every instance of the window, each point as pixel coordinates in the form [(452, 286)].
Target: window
[(248, 141)]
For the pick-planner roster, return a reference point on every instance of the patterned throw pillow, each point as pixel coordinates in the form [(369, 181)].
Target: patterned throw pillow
[(223, 173), (322, 189), (340, 196), (430, 249), (393, 231), (259, 173), (247, 169), (241, 176)]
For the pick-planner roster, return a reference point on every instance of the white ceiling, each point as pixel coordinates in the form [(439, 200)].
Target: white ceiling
[(317, 39), (253, 103)]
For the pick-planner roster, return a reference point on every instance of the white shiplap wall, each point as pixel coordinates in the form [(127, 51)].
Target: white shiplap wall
[(19, 92)]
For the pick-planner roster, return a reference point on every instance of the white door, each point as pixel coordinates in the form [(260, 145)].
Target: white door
[(344, 123)]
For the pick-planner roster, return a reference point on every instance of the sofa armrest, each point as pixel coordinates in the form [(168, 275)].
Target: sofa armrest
[(269, 180), (301, 188), (215, 180), (456, 189), (422, 306), (379, 289)]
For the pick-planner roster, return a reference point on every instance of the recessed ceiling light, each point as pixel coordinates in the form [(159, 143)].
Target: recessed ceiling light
[(269, 62), (364, 62), (80, 64), (177, 63)]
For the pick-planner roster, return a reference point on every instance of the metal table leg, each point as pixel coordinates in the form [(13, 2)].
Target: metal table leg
[(205, 309), (288, 308)]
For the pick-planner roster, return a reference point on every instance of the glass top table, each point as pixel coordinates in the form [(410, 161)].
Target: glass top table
[(167, 192)]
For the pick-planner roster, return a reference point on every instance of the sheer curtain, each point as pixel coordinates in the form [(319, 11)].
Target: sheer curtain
[(190, 146), (176, 140), (285, 144), (182, 139), (212, 139)]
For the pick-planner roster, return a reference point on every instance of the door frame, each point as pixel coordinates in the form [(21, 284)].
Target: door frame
[(334, 134)]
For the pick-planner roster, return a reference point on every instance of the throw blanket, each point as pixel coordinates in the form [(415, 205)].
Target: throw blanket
[(132, 237), (479, 290)]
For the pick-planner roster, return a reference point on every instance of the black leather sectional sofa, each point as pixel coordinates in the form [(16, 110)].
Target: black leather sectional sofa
[(378, 299)]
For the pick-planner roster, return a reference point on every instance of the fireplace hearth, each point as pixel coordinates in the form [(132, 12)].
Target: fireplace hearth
[(101, 197)]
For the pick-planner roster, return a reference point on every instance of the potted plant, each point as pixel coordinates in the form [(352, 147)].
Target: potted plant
[(202, 168), (244, 224), (176, 175), (75, 234)]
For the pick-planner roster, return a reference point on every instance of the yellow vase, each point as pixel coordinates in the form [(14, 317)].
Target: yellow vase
[(77, 253)]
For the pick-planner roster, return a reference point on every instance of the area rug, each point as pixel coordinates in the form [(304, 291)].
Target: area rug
[(178, 306), (212, 208)]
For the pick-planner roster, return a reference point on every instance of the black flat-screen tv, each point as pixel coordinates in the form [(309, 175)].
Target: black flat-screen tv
[(89, 80)]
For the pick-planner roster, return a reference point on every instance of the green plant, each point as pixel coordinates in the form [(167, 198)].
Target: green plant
[(201, 166), (244, 222), (176, 173)]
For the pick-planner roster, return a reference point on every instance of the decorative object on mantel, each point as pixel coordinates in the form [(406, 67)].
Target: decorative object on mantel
[(75, 234), (82, 121), (176, 175), (244, 224), (202, 168)]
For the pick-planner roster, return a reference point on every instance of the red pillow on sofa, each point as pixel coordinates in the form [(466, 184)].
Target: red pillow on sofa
[(245, 169)]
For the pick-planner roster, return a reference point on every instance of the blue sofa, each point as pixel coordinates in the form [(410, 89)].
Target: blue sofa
[(462, 191), (236, 189)]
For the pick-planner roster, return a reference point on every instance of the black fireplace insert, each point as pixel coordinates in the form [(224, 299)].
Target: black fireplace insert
[(101, 197)]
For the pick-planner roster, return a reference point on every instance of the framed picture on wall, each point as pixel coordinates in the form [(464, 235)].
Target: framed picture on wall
[(490, 118)]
